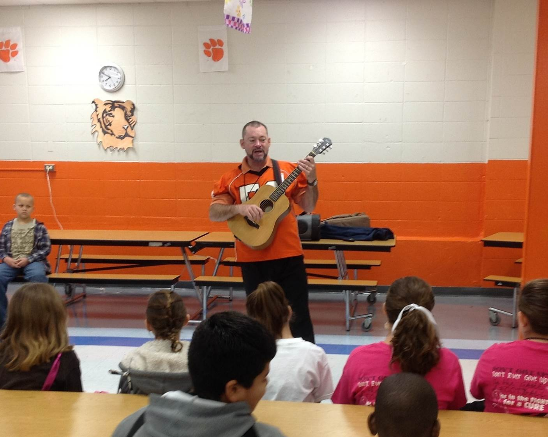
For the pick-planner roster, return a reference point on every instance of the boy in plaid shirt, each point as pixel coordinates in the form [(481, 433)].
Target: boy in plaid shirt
[(24, 247)]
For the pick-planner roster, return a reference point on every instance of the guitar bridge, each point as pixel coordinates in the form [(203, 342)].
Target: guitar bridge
[(252, 223)]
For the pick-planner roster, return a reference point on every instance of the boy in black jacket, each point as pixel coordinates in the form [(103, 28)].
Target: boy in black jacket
[(228, 359)]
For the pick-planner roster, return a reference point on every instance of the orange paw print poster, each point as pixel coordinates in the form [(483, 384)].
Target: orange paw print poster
[(11, 56), (213, 48)]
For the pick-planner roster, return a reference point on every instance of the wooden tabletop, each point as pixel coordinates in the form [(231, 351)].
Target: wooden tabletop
[(370, 246), (114, 279), (226, 239), (328, 420), (504, 239), (124, 237), (46, 414), (215, 239), (60, 414)]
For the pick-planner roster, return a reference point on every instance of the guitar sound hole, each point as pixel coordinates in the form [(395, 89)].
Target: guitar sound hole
[(267, 205)]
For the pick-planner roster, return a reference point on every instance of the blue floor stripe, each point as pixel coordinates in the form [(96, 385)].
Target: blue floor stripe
[(338, 349), (342, 349), (468, 354), (108, 341), (333, 349)]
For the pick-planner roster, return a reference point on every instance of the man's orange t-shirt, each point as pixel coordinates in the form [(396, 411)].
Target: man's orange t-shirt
[(240, 184)]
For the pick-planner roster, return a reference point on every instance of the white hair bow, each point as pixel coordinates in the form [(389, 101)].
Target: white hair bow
[(412, 307)]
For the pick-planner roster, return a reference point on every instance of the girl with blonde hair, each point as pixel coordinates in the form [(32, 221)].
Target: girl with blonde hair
[(412, 345), (299, 371), (35, 353)]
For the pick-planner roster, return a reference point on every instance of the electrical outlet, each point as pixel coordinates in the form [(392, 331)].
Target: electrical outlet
[(49, 167)]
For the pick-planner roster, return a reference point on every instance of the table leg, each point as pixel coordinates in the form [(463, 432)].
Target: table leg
[(515, 308), (207, 290), (219, 259), (57, 263), (80, 253), (69, 261), (347, 308), (199, 293), (341, 263), (188, 265), (203, 294)]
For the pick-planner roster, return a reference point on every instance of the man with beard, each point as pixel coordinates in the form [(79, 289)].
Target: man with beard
[(283, 260)]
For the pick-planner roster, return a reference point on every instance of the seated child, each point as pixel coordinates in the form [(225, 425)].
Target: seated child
[(24, 246), (299, 371), (34, 346), (497, 378), (228, 362), (406, 407), (165, 317), (412, 345)]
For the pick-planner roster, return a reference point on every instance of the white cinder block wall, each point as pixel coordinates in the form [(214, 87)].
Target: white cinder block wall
[(514, 31), (387, 80)]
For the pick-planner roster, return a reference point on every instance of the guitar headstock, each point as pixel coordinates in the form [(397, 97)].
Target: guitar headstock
[(321, 146)]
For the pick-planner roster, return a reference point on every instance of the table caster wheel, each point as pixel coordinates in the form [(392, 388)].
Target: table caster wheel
[(367, 324), (372, 298), (69, 290), (494, 318)]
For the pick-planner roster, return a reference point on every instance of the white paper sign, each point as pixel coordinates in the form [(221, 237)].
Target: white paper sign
[(11, 49), (213, 48), (238, 14)]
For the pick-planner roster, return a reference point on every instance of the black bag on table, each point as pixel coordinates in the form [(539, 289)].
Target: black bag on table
[(348, 233)]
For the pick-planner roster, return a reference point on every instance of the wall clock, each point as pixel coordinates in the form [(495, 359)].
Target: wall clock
[(111, 77)]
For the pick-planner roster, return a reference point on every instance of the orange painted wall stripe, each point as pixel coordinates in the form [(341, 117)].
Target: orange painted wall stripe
[(535, 263), (439, 212)]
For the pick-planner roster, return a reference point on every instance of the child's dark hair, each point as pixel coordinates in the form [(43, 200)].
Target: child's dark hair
[(228, 346), (533, 303), (166, 314), (415, 341), (406, 406), (268, 305)]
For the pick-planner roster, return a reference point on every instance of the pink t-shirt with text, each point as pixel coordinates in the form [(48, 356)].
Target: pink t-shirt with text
[(368, 365), (513, 378)]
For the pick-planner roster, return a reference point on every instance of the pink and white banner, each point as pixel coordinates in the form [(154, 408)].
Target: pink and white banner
[(238, 14), (213, 48), (11, 49)]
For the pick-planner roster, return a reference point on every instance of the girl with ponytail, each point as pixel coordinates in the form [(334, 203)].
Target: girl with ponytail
[(165, 317), (412, 345), (299, 372)]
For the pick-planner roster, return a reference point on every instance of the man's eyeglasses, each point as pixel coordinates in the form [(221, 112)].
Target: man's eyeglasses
[(253, 140)]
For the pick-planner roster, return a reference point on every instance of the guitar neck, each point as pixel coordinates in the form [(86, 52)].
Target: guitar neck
[(278, 192)]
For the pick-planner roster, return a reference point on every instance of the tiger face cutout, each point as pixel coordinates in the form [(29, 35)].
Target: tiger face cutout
[(114, 121)]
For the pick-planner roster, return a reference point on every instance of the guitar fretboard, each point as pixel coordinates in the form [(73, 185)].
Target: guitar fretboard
[(278, 192)]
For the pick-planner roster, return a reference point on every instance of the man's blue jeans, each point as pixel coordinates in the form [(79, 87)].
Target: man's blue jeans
[(34, 272)]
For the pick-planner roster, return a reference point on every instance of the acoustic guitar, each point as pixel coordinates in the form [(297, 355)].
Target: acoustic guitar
[(275, 206)]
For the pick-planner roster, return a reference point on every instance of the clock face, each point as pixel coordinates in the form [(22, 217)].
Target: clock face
[(111, 78)]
